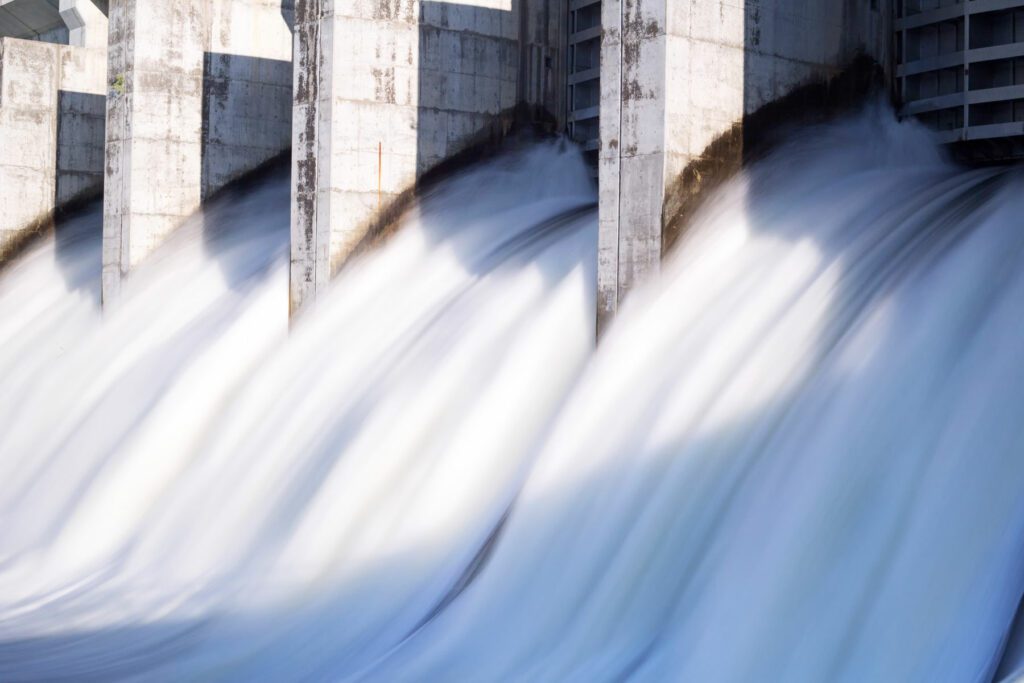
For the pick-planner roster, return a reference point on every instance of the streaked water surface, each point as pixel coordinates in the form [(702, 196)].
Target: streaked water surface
[(797, 455)]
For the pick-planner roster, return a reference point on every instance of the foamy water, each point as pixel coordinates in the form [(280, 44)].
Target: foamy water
[(797, 455)]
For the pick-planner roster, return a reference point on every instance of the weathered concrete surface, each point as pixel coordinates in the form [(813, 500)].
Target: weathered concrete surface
[(543, 67), (678, 74), (51, 131), (312, 123), (384, 91), (199, 94)]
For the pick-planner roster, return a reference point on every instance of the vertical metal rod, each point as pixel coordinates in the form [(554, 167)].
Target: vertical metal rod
[(965, 128)]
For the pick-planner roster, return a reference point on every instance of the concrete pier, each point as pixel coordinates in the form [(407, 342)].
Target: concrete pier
[(384, 91), (676, 76), (199, 94), (51, 132)]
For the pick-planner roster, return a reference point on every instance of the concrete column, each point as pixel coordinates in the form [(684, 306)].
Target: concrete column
[(87, 23), (634, 143), (51, 133), (154, 129), (29, 76), (386, 91), (200, 94), (311, 121), (609, 161), (679, 80)]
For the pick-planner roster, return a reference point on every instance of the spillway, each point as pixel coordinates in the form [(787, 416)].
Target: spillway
[(796, 455)]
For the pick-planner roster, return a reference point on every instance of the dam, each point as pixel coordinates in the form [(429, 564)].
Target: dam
[(371, 97), (504, 340)]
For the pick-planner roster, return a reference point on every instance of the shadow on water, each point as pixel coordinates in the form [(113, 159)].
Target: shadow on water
[(244, 229), (245, 225), (78, 237)]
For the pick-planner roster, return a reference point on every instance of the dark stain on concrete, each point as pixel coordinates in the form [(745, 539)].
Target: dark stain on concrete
[(395, 10), (25, 239), (754, 22), (307, 94), (384, 85), (636, 32)]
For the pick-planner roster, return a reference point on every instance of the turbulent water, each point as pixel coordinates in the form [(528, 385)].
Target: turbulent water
[(797, 455)]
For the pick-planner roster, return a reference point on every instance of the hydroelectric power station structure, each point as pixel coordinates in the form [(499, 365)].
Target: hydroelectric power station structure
[(158, 105), (795, 454), (961, 70)]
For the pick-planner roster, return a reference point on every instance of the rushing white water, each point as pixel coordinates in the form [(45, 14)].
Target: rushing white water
[(798, 455)]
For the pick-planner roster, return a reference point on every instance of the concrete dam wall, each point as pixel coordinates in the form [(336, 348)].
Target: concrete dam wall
[(370, 95)]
